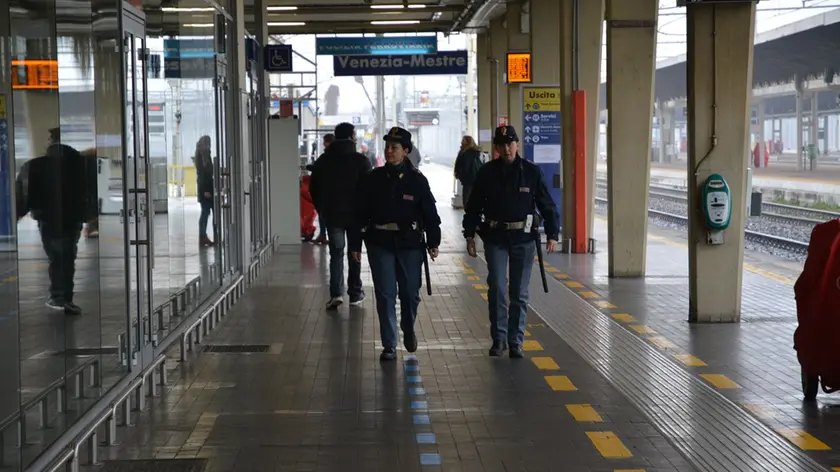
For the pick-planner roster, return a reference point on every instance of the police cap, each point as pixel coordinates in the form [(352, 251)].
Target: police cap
[(399, 135), (505, 134)]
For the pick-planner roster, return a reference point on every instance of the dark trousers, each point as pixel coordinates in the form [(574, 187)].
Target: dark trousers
[(466, 190), (396, 274), (206, 208), (507, 323), (62, 247), (338, 246)]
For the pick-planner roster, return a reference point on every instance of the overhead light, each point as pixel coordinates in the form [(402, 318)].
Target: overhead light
[(396, 6), (395, 22), (416, 6), (187, 9), (199, 25), (286, 23), (281, 8)]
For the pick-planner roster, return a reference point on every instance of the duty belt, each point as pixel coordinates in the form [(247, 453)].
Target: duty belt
[(511, 225), (396, 227)]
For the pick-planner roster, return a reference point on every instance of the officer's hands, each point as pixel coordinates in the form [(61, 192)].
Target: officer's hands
[(357, 256), (471, 248), (550, 246), (433, 253)]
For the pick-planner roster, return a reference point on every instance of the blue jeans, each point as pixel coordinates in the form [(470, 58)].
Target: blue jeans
[(521, 257), (396, 273), (338, 245)]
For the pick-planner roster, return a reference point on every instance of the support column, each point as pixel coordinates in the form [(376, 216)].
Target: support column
[(498, 44), (762, 139), (631, 61), (518, 40), (581, 74), (815, 134), (240, 142), (720, 64), (486, 68), (800, 162), (469, 89)]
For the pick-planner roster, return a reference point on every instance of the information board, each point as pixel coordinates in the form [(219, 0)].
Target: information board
[(542, 134), (519, 67)]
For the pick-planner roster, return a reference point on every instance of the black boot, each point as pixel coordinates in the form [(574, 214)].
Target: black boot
[(499, 348)]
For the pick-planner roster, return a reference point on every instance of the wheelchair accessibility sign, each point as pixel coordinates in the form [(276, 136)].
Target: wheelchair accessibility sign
[(278, 58)]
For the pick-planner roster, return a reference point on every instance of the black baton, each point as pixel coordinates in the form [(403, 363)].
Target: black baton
[(428, 277), (538, 242)]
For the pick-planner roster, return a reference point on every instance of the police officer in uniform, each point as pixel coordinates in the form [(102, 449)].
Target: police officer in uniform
[(507, 190), (395, 209)]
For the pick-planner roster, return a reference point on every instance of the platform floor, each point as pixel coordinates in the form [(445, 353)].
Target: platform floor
[(614, 379)]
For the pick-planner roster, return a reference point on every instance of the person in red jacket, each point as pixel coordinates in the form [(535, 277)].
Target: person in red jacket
[(307, 211)]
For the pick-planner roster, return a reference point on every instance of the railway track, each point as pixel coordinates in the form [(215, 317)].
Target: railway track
[(790, 245), (776, 212)]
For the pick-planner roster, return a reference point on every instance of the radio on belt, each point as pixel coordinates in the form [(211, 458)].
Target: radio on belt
[(717, 207)]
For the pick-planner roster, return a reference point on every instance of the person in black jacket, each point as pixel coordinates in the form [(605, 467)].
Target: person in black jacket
[(204, 181), (334, 188), (506, 192), (396, 208), (322, 225), (466, 166), (59, 191)]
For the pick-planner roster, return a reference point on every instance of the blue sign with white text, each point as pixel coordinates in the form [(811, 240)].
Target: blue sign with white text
[(278, 58), (189, 58), (440, 63), (542, 135), (376, 45)]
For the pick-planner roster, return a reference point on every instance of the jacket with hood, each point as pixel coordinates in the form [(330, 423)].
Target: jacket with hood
[(58, 189), (334, 183)]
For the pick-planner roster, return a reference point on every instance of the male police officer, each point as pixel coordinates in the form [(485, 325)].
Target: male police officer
[(506, 191)]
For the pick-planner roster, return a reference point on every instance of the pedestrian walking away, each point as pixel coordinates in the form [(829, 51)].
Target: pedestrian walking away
[(400, 222), (507, 192), (334, 187)]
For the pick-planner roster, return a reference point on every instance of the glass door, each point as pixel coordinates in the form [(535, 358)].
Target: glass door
[(138, 198), (225, 171)]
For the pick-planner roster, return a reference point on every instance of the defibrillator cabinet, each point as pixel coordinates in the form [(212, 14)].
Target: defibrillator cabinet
[(717, 203)]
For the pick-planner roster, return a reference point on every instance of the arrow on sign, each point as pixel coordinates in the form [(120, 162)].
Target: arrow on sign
[(527, 129), (527, 139)]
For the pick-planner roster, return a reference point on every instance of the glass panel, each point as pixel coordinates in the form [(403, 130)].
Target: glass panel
[(9, 328)]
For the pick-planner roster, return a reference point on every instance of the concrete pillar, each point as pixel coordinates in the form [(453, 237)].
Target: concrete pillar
[(659, 110), (498, 45), (800, 162), (486, 68), (720, 64), (518, 40), (631, 61), (814, 127), (469, 89), (587, 71)]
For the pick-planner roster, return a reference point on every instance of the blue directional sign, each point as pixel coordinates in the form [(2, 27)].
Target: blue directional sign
[(6, 167), (439, 63), (542, 135), (278, 58), (189, 58), (376, 45)]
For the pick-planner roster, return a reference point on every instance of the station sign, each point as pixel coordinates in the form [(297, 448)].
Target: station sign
[(519, 67), (189, 58), (31, 74), (439, 63), (543, 132), (376, 45)]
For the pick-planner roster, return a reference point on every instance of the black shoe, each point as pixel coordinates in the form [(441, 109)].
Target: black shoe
[(388, 354), (357, 300), (516, 352), (54, 304), (334, 303), (499, 347), (410, 341), (71, 308)]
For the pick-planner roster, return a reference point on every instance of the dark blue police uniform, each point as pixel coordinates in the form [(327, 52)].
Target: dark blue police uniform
[(395, 209), (505, 195)]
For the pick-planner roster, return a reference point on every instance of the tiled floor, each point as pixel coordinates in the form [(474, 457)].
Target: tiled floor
[(597, 391)]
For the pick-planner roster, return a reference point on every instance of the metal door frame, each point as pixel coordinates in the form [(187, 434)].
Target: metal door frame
[(139, 342)]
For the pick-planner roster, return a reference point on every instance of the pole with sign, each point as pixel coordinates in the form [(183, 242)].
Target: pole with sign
[(6, 210), (542, 135)]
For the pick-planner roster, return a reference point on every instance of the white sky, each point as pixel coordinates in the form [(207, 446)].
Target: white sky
[(671, 42)]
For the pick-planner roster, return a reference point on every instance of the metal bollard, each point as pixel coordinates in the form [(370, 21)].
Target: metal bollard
[(93, 448), (111, 430), (22, 431), (79, 385), (61, 393), (126, 411), (183, 347), (44, 410), (163, 374)]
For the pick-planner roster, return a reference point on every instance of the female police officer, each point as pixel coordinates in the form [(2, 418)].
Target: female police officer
[(506, 191), (395, 209)]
